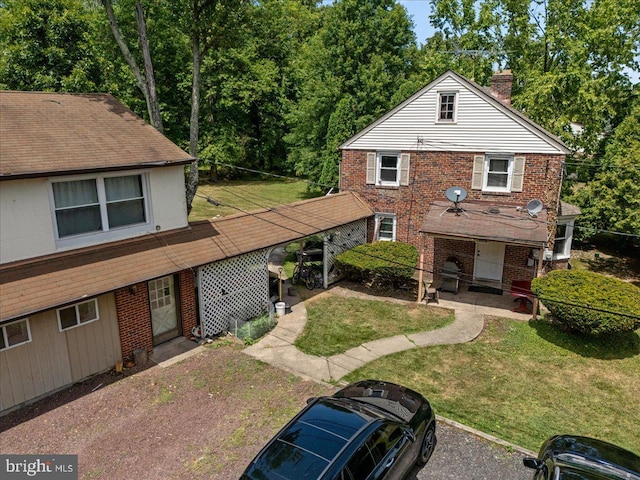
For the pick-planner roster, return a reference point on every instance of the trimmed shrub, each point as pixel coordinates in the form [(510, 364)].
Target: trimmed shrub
[(383, 263), (589, 302)]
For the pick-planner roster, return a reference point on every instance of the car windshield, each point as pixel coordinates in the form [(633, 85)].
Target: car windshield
[(573, 474), (577, 467)]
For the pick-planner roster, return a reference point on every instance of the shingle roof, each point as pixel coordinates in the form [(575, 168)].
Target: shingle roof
[(30, 286), (487, 221), (61, 133), (568, 210)]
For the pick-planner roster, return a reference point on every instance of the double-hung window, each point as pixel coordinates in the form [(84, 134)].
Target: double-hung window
[(101, 204), (498, 173), (388, 168), (562, 243), (385, 227), (78, 314), (14, 334), (447, 107)]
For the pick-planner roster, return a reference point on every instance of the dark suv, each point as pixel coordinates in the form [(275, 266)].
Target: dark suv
[(568, 457), (368, 430)]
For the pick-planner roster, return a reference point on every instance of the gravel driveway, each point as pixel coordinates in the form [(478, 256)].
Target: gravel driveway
[(460, 455), (204, 417)]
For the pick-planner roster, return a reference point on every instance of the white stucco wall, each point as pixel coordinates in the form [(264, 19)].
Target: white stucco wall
[(27, 226), (168, 199)]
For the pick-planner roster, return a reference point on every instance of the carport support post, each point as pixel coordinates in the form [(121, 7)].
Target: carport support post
[(325, 267), (534, 306), (420, 274)]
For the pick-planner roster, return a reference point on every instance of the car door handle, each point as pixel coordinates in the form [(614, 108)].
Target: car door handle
[(390, 462)]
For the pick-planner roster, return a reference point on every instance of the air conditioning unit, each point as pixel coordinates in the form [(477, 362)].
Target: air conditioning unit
[(547, 255)]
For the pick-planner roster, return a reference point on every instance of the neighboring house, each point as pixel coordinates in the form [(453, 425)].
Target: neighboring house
[(454, 133), (97, 258)]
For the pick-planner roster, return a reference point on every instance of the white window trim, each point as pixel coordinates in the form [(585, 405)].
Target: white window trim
[(485, 176), (3, 332), (568, 238), (379, 217), (379, 180), (102, 235), (456, 95), (78, 324)]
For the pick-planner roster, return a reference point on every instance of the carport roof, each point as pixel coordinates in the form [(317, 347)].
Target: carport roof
[(487, 221), (34, 285)]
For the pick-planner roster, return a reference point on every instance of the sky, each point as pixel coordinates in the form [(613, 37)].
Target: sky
[(419, 11)]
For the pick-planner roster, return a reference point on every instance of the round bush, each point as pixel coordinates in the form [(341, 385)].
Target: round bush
[(589, 302)]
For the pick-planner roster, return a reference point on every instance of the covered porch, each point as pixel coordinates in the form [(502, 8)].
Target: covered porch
[(488, 246)]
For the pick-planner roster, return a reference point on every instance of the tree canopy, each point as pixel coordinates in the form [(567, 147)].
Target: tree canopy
[(278, 85)]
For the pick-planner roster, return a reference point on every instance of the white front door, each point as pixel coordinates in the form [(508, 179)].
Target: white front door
[(489, 261), (164, 315)]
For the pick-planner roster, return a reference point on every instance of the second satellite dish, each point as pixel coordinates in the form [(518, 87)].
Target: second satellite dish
[(534, 207)]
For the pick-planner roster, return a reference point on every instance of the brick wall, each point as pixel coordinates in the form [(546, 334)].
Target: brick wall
[(134, 319), (430, 174), (134, 313), (188, 301)]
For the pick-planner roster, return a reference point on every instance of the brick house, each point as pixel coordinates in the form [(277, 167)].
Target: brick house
[(455, 135), (97, 257)]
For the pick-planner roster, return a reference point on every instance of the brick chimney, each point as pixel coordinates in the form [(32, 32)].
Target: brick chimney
[(501, 83)]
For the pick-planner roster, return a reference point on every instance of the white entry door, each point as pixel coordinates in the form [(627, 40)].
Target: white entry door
[(489, 261), (164, 315)]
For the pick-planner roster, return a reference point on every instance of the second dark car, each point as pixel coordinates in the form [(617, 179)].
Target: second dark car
[(570, 457), (369, 430)]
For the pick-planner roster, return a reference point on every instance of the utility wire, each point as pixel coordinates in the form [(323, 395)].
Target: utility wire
[(548, 299), (597, 230)]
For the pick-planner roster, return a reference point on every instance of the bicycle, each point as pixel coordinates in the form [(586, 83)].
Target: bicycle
[(306, 275)]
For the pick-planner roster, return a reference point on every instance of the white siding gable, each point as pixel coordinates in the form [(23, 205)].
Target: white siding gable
[(481, 125)]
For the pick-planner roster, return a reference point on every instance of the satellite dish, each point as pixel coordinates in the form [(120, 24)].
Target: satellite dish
[(534, 207), (456, 194)]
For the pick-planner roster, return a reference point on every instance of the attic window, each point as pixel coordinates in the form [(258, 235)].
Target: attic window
[(447, 107)]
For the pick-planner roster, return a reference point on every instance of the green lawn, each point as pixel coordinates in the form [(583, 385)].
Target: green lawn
[(337, 324), (524, 382), (245, 195)]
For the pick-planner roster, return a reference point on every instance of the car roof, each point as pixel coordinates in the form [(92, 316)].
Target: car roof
[(592, 455), (312, 441)]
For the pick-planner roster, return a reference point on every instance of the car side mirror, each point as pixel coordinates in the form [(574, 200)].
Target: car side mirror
[(534, 463), (410, 435)]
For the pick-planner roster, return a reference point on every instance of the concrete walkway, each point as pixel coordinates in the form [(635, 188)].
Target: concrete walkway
[(277, 348)]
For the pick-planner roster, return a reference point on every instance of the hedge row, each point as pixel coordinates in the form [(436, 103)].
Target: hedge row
[(380, 262), (589, 302)]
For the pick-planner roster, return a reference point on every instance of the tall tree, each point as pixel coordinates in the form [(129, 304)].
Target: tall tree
[(146, 83), (611, 201), (211, 25), (49, 46), (363, 50)]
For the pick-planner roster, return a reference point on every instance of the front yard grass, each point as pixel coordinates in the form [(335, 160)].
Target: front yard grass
[(337, 324), (524, 382)]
